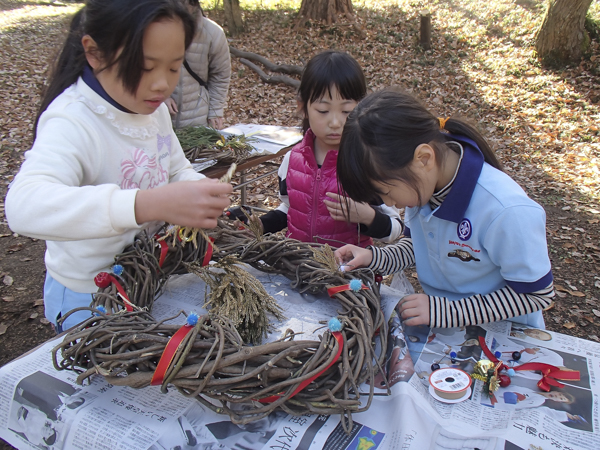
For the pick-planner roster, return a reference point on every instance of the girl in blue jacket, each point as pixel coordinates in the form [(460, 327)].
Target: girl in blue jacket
[(477, 241)]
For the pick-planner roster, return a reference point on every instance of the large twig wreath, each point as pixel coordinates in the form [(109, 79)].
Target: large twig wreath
[(207, 358)]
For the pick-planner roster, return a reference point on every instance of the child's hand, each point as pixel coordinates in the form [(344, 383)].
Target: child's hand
[(172, 105), (414, 309), (216, 123), (239, 213), (195, 204), (359, 212), (353, 257)]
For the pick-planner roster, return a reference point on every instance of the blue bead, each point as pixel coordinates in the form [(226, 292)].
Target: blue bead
[(192, 319), (497, 354), (101, 309), (510, 372), (452, 355), (334, 324), (355, 285), (117, 269)]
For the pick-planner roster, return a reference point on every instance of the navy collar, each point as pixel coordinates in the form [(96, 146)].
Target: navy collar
[(90, 79), (457, 201)]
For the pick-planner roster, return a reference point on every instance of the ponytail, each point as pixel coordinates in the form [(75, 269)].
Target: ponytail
[(459, 127), (68, 67)]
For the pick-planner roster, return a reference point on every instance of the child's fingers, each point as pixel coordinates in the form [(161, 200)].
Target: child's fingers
[(214, 187), (406, 308), (415, 321), (333, 196), (335, 212), (414, 309), (332, 206), (344, 254)]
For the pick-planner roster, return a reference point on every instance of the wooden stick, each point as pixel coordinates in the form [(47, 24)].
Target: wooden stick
[(425, 39), (283, 68), (274, 79)]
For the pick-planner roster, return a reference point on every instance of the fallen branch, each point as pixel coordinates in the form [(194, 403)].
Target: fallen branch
[(274, 79), (283, 68)]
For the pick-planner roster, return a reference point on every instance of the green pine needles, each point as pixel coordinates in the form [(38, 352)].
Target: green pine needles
[(202, 144)]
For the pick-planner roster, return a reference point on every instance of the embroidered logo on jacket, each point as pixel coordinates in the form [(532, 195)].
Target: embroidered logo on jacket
[(462, 255), (464, 230)]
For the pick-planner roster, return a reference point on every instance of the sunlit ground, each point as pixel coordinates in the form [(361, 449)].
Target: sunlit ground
[(548, 119), (30, 11)]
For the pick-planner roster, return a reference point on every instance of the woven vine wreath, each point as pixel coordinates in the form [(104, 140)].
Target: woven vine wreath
[(207, 358)]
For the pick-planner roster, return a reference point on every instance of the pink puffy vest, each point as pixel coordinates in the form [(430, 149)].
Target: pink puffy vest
[(308, 218)]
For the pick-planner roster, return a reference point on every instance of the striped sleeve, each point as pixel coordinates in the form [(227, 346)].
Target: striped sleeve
[(477, 309), (393, 258)]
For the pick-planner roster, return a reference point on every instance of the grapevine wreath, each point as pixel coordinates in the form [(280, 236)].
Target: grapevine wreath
[(218, 358)]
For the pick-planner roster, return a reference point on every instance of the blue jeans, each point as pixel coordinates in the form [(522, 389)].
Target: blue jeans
[(58, 300)]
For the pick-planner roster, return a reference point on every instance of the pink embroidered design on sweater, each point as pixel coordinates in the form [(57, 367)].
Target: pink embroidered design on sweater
[(143, 171)]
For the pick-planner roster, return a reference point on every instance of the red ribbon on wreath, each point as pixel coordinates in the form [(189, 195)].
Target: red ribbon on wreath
[(164, 249), (354, 285), (209, 252), (550, 373), (171, 349), (340, 340), (103, 279)]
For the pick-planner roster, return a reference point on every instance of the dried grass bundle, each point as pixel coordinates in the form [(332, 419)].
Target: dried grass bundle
[(239, 296)]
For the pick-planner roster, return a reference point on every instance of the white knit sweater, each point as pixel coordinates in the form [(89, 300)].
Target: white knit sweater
[(77, 186)]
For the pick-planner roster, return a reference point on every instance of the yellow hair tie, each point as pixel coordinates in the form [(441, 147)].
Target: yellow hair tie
[(443, 122)]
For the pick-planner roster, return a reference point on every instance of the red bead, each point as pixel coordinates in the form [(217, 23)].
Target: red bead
[(102, 280), (378, 278), (504, 380)]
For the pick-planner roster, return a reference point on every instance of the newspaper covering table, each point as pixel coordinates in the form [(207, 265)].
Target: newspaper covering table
[(44, 408)]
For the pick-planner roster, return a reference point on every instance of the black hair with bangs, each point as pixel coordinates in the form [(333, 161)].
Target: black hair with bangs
[(326, 69), (114, 25), (380, 137)]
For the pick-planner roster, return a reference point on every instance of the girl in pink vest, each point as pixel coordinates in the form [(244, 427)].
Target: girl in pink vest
[(312, 207)]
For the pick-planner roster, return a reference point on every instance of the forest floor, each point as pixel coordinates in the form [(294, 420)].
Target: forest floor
[(543, 124)]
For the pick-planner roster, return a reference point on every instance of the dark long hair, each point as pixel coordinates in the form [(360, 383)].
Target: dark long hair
[(114, 25), (327, 69), (380, 138)]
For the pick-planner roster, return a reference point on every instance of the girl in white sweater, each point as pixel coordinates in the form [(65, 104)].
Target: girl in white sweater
[(105, 162)]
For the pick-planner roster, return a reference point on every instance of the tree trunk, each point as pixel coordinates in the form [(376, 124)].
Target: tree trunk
[(233, 15), (328, 10), (562, 37)]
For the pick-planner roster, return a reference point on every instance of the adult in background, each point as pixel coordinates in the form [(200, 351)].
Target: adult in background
[(201, 94)]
